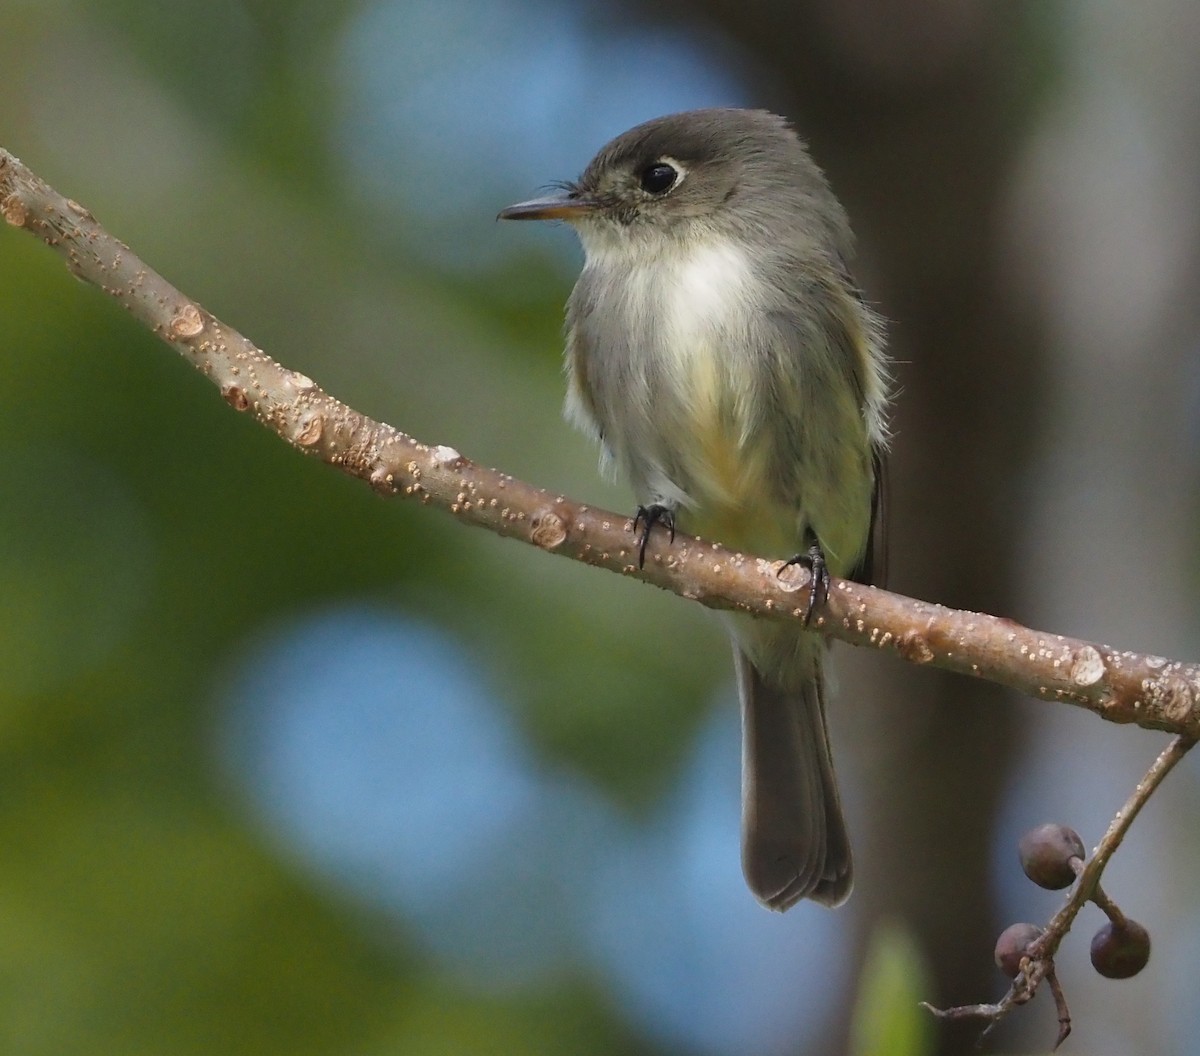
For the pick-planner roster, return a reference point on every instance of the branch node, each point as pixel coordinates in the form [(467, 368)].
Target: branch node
[(236, 397), (14, 211), (913, 646), (548, 530), (792, 577), (187, 322), (311, 430), (447, 457), (1087, 666)]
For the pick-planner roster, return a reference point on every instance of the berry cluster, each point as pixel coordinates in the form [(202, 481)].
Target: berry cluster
[(1053, 857)]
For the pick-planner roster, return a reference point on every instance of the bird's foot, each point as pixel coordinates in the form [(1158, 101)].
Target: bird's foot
[(645, 519), (814, 560)]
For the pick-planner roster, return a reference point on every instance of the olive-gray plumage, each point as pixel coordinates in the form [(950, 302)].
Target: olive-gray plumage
[(719, 351)]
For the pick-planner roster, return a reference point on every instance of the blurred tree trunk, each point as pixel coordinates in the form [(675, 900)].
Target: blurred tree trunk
[(916, 112)]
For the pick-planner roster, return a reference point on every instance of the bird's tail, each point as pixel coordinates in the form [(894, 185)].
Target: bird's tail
[(794, 842)]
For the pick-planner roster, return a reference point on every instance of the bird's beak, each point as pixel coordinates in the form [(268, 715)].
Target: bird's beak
[(568, 206)]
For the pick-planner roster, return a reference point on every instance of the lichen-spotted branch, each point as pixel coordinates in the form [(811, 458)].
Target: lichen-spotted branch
[(1118, 685)]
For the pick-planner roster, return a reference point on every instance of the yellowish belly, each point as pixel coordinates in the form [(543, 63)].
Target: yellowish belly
[(729, 481), (732, 478)]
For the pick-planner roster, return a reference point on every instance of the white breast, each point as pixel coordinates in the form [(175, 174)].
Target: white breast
[(674, 392), (677, 298), (706, 294)]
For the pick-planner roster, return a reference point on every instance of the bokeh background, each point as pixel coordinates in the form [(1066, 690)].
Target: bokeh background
[(285, 768)]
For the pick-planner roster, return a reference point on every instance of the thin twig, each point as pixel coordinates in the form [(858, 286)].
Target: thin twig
[(1120, 686), (1038, 964), (1060, 1007), (1110, 908), (1089, 879)]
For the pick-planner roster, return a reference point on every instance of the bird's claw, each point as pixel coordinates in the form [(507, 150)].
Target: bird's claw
[(647, 517), (818, 592)]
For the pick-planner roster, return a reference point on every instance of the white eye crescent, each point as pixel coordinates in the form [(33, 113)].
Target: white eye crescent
[(661, 176)]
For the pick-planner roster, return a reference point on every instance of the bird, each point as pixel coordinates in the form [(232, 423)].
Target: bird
[(734, 375)]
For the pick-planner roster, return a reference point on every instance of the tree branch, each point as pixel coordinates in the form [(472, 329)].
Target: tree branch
[(1117, 685)]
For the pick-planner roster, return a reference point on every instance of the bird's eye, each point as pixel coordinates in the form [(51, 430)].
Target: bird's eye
[(658, 178)]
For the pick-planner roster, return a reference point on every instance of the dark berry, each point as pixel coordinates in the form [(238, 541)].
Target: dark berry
[(1011, 946), (1119, 951), (1046, 854)]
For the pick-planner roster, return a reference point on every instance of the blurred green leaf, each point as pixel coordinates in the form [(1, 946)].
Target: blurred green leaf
[(887, 1019)]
